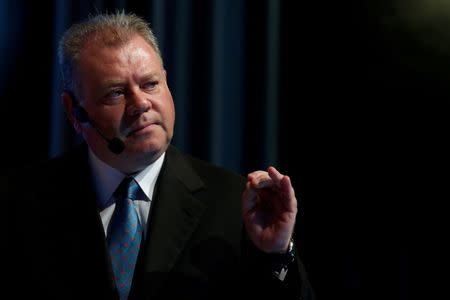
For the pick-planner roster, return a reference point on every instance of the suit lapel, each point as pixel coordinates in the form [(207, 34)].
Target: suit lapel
[(86, 233), (174, 215)]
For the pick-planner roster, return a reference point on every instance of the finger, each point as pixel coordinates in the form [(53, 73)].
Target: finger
[(259, 179), (262, 183), (288, 191), (248, 199), (275, 175), (257, 174)]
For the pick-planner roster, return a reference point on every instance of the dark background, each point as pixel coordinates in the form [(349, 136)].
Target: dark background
[(346, 98)]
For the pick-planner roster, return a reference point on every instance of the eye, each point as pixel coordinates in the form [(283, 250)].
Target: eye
[(114, 94), (150, 85)]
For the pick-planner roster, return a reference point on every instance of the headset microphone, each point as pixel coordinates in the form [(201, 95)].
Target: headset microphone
[(116, 145)]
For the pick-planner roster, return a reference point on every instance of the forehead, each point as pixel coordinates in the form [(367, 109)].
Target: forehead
[(135, 53)]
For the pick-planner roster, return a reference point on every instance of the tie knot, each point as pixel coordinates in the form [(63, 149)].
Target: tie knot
[(129, 189)]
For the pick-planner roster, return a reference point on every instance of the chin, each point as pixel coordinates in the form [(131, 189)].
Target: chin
[(147, 149)]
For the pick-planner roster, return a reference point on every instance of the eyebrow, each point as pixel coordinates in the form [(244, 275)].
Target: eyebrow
[(118, 82), (111, 83), (150, 76)]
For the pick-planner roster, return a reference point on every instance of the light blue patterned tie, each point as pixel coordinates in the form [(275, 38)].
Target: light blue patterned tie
[(125, 234)]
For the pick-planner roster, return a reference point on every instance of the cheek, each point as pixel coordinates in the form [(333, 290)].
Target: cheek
[(110, 119), (90, 135), (172, 112), (172, 118), (170, 115)]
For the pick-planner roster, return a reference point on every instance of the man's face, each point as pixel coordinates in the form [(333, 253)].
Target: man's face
[(125, 94)]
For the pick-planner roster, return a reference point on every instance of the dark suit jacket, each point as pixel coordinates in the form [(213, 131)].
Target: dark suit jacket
[(195, 248)]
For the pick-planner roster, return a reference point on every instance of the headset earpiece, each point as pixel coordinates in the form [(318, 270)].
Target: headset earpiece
[(80, 113), (77, 110), (116, 145)]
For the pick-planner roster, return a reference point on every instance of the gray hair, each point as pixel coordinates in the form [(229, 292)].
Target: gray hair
[(111, 30)]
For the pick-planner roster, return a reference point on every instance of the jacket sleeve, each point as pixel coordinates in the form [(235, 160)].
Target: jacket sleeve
[(260, 282)]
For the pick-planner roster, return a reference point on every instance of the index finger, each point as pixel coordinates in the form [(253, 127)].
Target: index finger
[(275, 175)]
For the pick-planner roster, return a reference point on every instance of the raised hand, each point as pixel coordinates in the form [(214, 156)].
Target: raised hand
[(269, 209)]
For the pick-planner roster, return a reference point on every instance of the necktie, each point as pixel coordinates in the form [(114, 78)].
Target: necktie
[(125, 234)]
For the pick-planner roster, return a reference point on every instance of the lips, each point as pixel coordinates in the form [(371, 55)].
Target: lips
[(141, 129)]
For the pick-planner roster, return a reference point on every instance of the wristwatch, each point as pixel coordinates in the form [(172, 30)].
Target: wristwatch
[(281, 262)]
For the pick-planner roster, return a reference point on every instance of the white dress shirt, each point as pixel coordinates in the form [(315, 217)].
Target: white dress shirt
[(107, 179)]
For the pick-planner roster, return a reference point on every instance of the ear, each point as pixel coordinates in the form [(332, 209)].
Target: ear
[(68, 104)]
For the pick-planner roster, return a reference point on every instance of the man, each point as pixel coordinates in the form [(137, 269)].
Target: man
[(127, 215)]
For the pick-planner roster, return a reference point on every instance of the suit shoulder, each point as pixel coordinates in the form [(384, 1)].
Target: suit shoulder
[(216, 170), (37, 173), (210, 172)]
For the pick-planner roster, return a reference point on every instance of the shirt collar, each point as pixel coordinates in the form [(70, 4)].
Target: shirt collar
[(106, 178)]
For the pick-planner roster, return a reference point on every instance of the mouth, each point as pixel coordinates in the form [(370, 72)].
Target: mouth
[(141, 130)]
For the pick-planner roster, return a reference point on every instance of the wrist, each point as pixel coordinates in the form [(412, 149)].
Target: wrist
[(280, 261)]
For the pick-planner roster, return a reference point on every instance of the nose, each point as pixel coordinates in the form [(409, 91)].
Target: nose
[(138, 102)]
